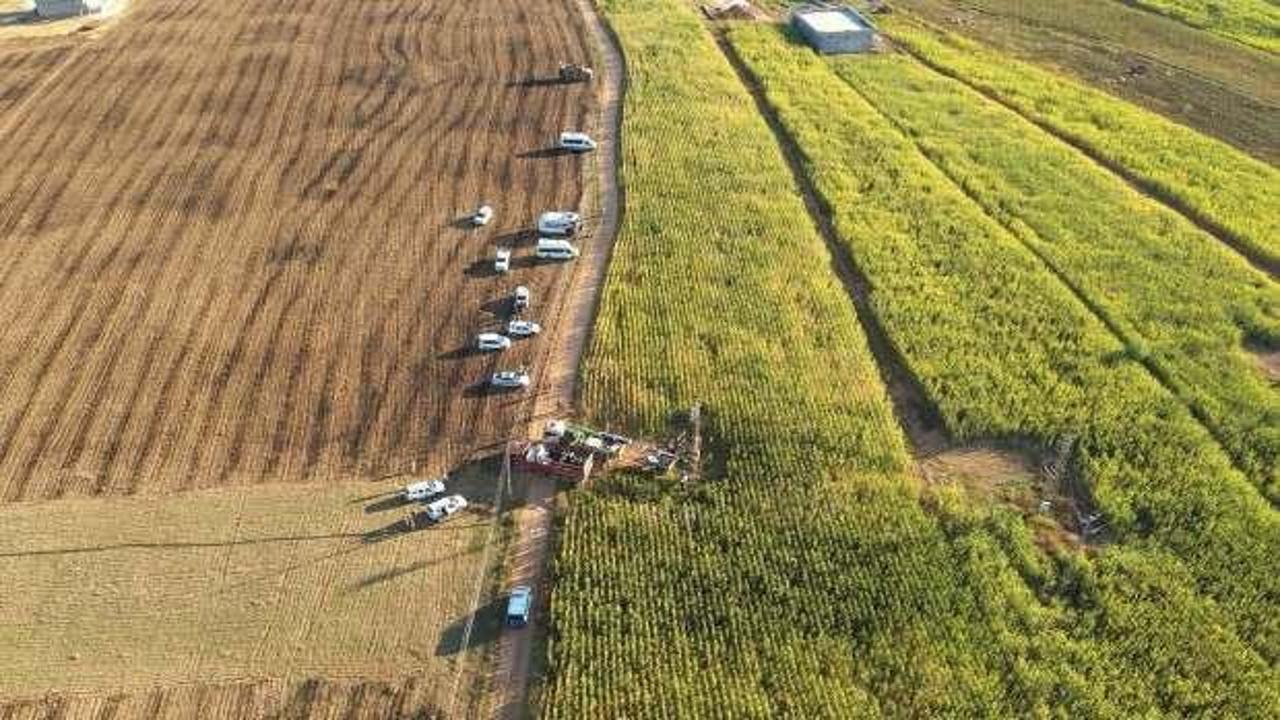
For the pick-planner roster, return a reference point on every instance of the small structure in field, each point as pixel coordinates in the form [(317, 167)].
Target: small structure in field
[(731, 10), (56, 9), (552, 459), (567, 450), (834, 30)]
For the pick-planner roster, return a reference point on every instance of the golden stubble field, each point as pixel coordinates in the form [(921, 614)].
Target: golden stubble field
[(263, 595), (230, 251)]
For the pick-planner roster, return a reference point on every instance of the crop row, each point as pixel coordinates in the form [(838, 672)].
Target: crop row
[(1183, 302), (808, 574), (1004, 348), (1209, 179), (719, 288)]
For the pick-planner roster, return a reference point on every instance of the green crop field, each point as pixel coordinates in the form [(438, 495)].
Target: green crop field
[(1252, 22), (1129, 256), (1210, 179), (810, 573), (956, 291)]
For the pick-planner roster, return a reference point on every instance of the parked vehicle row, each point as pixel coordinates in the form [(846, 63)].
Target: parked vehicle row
[(439, 507), (555, 230)]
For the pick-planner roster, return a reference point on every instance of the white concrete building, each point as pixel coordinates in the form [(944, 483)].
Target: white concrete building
[(54, 9), (834, 30)]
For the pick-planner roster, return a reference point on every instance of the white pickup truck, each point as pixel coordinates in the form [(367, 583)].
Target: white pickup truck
[(445, 508), (422, 491)]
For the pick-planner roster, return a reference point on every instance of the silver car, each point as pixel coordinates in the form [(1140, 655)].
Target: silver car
[(523, 328), (510, 379)]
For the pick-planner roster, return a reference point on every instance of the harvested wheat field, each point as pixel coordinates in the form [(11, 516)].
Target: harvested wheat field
[(231, 248), (237, 602)]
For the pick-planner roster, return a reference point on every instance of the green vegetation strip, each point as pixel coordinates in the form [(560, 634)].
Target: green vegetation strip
[(808, 575), (1252, 22), (1184, 303), (720, 287), (1005, 349), (1208, 180)]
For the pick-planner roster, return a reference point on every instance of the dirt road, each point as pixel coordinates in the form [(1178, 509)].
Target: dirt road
[(602, 207)]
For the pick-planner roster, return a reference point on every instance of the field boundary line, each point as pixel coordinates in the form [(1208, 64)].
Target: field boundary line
[(1144, 187), (918, 417), (504, 476), (1153, 369)]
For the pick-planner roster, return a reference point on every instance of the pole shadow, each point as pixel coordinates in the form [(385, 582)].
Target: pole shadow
[(485, 627)]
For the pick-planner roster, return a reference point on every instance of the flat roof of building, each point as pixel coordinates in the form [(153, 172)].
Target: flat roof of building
[(833, 21)]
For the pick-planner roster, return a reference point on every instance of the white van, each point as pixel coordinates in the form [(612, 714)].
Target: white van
[(552, 249), (559, 223), (492, 341), (576, 142)]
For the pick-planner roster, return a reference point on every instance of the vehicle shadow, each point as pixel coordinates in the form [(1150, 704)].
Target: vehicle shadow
[(463, 222), (550, 152), (482, 268), (515, 238), (499, 307), (526, 261), (478, 629), (459, 353), (536, 81), (385, 504), (484, 389)]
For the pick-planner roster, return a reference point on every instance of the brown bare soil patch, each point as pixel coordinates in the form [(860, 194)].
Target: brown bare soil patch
[(231, 249), (1268, 361), (995, 476), (986, 472)]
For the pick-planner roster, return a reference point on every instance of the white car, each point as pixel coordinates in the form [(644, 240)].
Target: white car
[(576, 142), (482, 216), (523, 328), (510, 379), (553, 249), (502, 263), (520, 298), (559, 223), (446, 507), (492, 341), (425, 490)]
